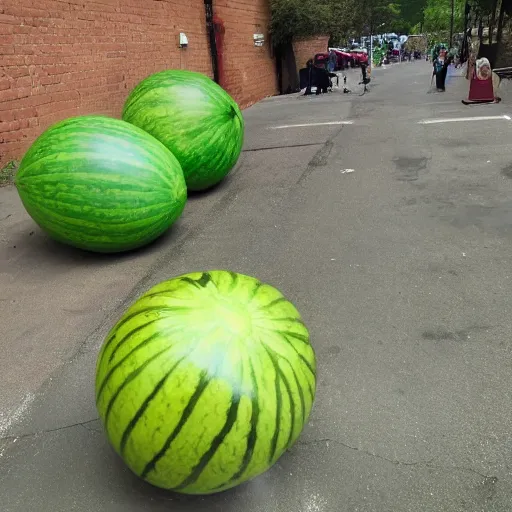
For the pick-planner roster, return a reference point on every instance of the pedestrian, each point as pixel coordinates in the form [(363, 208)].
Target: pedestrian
[(441, 63), (333, 60), (310, 68)]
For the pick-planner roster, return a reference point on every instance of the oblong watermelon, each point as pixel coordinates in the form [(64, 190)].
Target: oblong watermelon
[(194, 118), (205, 381), (101, 184)]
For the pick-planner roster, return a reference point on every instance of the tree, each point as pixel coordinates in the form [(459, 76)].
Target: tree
[(299, 18), (343, 20), (412, 11), (373, 15), (437, 16)]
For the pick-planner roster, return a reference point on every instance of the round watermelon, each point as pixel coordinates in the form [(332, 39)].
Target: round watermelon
[(205, 381), (194, 118), (101, 184)]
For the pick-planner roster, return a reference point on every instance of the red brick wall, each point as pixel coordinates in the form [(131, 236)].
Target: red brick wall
[(306, 49), (250, 70), (65, 58)]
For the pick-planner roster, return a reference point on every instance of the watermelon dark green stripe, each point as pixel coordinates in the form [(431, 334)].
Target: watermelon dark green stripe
[(101, 130), (275, 302), (311, 392), (128, 317), (306, 362), (132, 376), (251, 438), (255, 291), (142, 409), (288, 319), (202, 282), (203, 383), (296, 335), (89, 227), (135, 349), (234, 277), (275, 361), (308, 365), (219, 439), (279, 404), (149, 309), (293, 406), (302, 358), (231, 418), (301, 393)]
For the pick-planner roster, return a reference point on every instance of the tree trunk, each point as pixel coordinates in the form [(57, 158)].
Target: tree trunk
[(492, 20), (450, 42), (501, 21)]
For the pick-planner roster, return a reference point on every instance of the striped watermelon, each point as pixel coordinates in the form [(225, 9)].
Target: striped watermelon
[(101, 184), (205, 381), (194, 118)]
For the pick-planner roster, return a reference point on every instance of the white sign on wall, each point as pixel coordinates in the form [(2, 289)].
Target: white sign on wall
[(259, 39)]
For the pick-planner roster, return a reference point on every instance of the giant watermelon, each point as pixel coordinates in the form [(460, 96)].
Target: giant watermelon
[(194, 118), (101, 184), (205, 381)]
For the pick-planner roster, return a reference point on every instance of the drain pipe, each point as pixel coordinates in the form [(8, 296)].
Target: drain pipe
[(210, 27)]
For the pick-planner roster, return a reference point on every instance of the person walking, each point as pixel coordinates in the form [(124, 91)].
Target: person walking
[(441, 64)]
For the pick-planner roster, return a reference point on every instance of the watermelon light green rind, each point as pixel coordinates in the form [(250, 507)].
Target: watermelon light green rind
[(205, 381), (101, 184), (194, 118)]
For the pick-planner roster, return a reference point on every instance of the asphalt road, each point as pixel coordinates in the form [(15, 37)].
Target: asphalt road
[(392, 236)]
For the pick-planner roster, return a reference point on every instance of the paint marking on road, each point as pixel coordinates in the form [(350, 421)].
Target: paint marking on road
[(9, 420), (306, 125), (347, 171), (465, 119)]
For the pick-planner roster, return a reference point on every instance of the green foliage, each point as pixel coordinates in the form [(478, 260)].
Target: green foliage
[(484, 7), (299, 18), (412, 12), (376, 16), (341, 18), (338, 18), (437, 16), (343, 21), (7, 173)]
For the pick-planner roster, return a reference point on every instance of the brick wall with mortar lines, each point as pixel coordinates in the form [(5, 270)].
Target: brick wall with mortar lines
[(250, 72), (66, 58), (305, 49)]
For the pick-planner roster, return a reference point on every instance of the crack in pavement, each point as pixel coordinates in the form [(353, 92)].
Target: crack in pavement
[(320, 158), (355, 448), (425, 463), (57, 429), (305, 145)]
